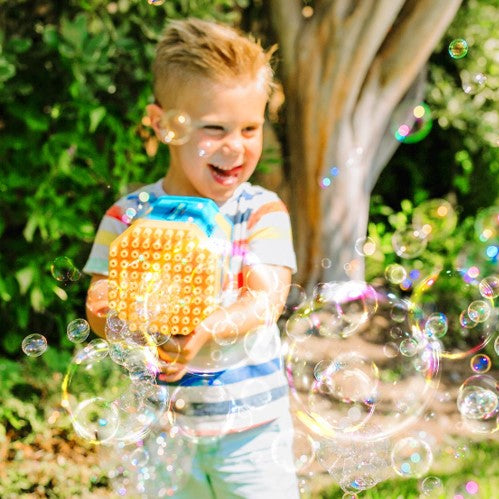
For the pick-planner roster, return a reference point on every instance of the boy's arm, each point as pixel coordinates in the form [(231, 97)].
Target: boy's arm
[(260, 302), (96, 305)]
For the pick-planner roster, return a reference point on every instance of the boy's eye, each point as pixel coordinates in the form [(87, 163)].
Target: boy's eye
[(214, 129)]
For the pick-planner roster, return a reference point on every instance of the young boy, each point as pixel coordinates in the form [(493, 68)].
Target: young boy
[(222, 80)]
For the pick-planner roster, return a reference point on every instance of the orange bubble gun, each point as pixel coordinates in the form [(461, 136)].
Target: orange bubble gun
[(166, 271)]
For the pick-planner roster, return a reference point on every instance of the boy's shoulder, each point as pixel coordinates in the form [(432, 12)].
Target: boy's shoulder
[(253, 194)]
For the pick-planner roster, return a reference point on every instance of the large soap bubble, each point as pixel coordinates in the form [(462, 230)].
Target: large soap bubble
[(358, 367), (109, 402)]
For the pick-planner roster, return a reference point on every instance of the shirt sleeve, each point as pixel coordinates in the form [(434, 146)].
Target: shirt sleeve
[(113, 223), (270, 239)]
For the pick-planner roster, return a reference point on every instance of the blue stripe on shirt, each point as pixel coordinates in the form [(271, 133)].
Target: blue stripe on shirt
[(228, 376)]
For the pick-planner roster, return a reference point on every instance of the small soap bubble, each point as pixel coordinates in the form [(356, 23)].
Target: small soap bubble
[(34, 345), (479, 311), (458, 48), (473, 83), (395, 273), (431, 485), (480, 363), (156, 3), (176, 127), (326, 263), (436, 325), (78, 330), (496, 345), (64, 270), (414, 125), (411, 457), (365, 246), (409, 347), (139, 457), (489, 287), (409, 242)]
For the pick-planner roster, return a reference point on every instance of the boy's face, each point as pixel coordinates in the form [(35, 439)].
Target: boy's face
[(226, 141)]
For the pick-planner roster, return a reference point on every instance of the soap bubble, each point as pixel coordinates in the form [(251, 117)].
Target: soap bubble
[(487, 224), (105, 403), (411, 457), (489, 287), (410, 125), (175, 127), (34, 345), (436, 219), (78, 330), (156, 3), (472, 83), (458, 48), (479, 310), (409, 242), (64, 270), (337, 369), (477, 401), (365, 246), (431, 485), (436, 325), (480, 363), (395, 273)]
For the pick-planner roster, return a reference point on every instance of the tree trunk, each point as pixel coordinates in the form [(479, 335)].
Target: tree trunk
[(344, 71)]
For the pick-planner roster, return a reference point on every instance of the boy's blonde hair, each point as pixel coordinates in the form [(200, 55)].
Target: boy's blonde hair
[(193, 48)]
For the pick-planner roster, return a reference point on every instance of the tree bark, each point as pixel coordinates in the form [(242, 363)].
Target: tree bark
[(344, 71)]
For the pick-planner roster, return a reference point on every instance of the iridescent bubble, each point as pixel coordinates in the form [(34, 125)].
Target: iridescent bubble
[(78, 330), (156, 3), (479, 311), (326, 263), (436, 219), (64, 270), (395, 273), (458, 48), (34, 345), (295, 298), (299, 327), (473, 83), (409, 347), (489, 287), (480, 363), (466, 321), (176, 127), (96, 419), (346, 370), (411, 457), (431, 485), (409, 242), (436, 325), (477, 398), (496, 345), (487, 224), (139, 457), (365, 246), (412, 125)]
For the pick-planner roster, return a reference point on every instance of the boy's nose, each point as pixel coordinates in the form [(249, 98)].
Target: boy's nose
[(233, 146)]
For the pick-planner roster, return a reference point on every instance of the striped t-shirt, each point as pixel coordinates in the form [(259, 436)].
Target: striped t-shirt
[(230, 387)]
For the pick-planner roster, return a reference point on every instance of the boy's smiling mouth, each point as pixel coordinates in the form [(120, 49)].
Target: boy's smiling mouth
[(225, 176)]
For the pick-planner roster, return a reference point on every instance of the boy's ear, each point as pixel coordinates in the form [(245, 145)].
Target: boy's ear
[(154, 113)]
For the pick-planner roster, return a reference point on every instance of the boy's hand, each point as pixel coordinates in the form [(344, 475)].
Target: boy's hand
[(178, 351)]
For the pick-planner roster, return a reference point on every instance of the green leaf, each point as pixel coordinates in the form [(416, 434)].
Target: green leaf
[(37, 299), (19, 45), (25, 278), (96, 116)]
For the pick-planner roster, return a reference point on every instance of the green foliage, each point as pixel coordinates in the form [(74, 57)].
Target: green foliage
[(461, 155), (74, 83)]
